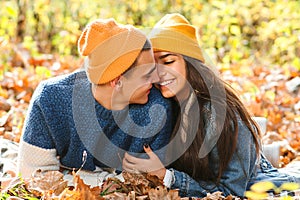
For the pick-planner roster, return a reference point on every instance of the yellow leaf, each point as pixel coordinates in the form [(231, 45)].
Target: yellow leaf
[(255, 196), (296, 63), (297, 119), (286, 198), (11, 10), (263, 186), (270, 95), (43, 72), (3, 93), (235, 30), (289, 186)]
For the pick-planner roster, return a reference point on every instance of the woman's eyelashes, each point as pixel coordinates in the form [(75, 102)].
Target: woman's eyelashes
[(168, 62)]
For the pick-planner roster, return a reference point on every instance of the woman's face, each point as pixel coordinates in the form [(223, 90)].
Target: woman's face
[(172, 74)]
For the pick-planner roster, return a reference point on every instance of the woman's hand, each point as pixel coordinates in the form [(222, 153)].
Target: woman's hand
[(152, 166)]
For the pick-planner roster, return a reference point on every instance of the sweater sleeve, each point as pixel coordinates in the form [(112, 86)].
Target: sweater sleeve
[(37, 150), (32, 158), (36, 129), (234, 180)]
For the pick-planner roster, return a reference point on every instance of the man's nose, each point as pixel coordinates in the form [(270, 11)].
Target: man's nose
[(155, 75)]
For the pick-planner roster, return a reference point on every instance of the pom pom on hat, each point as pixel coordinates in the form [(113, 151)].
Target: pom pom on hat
[(174, 33), (111, 48)]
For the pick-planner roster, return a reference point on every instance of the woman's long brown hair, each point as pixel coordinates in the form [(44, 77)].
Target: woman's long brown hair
[(202, 78)]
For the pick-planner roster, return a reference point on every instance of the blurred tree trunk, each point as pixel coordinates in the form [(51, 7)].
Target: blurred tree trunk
[(21, 23)]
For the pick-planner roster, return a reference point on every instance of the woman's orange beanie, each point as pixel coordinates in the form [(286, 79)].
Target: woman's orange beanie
[(174, 33), (111, 49)]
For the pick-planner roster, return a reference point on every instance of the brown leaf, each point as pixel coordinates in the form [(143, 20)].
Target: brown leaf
[(135, 178), (158, 193), (5, 118), (45, 182), (161, 193), (4, 105), (85, 191), (110, 185), (69, 195), (154, 180), (214, 196)]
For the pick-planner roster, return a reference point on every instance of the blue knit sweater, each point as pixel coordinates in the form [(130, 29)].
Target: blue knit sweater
[(63, 115)]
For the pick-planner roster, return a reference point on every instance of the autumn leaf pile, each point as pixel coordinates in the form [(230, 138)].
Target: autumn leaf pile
[(51, 186), (272, 92)]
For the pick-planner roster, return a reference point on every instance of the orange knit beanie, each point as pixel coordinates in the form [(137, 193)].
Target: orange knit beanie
[(174, 33), (111, 49)]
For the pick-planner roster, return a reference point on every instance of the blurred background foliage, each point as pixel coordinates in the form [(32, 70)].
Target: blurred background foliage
[(231, 31)]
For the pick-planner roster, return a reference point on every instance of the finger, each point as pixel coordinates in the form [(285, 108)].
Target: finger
[(127, 166), (127, 157), (147, 148), (125, 162), (133, 159), (149, 151), (132, 167)]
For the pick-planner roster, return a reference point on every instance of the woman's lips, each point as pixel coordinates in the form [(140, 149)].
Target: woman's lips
[(167, 82)]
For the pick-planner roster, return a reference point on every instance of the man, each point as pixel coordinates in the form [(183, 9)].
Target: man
[(83, 120)]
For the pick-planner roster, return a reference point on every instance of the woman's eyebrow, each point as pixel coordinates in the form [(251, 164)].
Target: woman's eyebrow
[(166, 55)]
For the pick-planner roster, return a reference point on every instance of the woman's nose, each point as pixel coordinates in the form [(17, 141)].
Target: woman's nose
[(160, 70)]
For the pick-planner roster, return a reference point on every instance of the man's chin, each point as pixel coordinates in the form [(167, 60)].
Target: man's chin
[(141, 101)]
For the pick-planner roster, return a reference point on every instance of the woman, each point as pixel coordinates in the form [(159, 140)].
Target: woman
[(215, 145)]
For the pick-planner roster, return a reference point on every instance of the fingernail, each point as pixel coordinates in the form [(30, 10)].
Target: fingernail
[(146, 146)]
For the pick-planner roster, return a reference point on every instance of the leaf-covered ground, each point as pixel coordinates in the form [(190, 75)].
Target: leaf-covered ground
[(272, 92), (51, 186)]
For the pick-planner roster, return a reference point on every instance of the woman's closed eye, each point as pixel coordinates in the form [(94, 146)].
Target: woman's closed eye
[(168, 62)]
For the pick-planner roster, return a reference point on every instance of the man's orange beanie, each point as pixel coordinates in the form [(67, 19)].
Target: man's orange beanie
[(174, 33), (111, 48)]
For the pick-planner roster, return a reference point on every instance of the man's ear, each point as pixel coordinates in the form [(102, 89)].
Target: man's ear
[(116, 82)]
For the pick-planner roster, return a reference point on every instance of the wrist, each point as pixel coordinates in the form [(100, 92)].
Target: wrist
[(161, 173), (169, 178)]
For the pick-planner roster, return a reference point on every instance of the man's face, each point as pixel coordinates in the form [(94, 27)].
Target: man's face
[(137, 82)]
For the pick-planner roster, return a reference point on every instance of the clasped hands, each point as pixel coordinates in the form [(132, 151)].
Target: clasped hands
[(152, 165)]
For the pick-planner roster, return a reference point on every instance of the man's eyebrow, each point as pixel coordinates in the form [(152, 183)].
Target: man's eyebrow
[(166, 55)]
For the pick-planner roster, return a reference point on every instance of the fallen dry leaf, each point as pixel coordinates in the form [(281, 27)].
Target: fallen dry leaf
[(50, 182)]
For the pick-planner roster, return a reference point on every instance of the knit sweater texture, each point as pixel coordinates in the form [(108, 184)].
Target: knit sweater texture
[(64, 116)]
